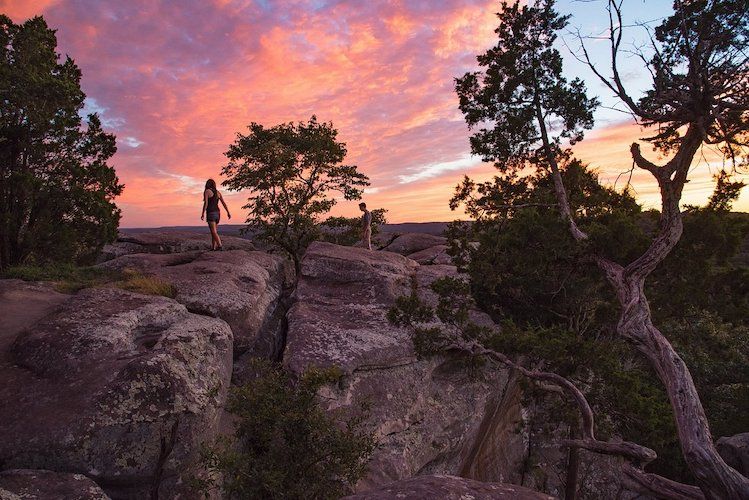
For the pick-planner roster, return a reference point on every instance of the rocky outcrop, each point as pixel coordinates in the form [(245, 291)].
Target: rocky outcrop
[(432, 255), (735, 451), (242, 288), (410, 243), (161, 242), (19, 484), (118, 386), (501, 444), (425, 413), (449, 488)]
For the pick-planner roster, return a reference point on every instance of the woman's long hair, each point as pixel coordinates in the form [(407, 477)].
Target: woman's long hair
[(211, 184)]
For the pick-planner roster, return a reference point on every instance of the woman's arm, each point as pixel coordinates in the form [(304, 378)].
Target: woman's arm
[(205, 201), (220, 197)]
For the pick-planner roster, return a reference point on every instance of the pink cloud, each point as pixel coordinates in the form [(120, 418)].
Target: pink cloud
[(177, 80), (20, 10)]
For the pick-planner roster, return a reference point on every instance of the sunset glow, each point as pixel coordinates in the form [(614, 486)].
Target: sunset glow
[(175, 81)]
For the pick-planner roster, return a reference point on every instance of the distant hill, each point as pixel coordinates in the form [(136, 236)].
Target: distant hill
[(436, 228)]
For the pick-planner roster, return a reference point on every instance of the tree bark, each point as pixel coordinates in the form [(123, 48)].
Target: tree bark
[(573, 469), (716, 479)]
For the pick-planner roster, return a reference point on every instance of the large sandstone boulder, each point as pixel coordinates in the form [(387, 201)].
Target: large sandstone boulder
[(425, 413), (449, 488), (118, 386), (160, 242), (735, 451), (409, 243), (242, 288), (23, 484)]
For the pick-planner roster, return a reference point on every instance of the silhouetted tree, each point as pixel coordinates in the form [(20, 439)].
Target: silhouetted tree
[(292, 170), (56, 187)]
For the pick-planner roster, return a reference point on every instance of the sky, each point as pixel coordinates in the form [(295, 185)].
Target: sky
[(177, 80)]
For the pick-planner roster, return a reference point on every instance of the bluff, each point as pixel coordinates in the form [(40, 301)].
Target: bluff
[(107, 393)]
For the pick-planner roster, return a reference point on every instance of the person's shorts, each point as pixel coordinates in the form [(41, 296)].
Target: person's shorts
[(213, 217)]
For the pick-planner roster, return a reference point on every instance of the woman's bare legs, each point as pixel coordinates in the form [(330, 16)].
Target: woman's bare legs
[(215, 238)]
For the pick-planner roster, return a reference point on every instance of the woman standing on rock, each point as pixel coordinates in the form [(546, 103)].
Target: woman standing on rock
[(211, 197)]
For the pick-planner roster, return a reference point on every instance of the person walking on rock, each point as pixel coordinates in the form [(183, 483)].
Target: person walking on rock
[(211, 212), (366, 224)]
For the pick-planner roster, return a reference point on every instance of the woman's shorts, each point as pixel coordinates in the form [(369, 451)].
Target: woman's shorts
[(213, 217)]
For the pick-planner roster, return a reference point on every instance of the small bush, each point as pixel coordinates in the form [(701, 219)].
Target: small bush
[(286, 446), (348, 230)]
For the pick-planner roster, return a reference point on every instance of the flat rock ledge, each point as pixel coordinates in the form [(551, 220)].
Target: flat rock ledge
[(24, 484), (243, 288), (161, 242), (445, 487), (410, 243)]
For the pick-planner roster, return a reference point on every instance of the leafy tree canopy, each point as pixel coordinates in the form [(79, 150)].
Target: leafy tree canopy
[(56, 186), (292, 171), (521, 89)]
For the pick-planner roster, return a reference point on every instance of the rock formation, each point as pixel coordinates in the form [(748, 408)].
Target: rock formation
[(244, 288), (418, 407), (409, 243), (161, 242), (123, 388), (118, 386), (735, 451)]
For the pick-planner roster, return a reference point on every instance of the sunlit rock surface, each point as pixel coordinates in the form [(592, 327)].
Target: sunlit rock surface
[(168, 242), (409, 243), (432, 255)]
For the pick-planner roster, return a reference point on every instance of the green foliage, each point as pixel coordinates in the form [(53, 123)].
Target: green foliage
[(67, 278), (702, 270), (726, 192), (527, 265), (705, 37), (521, 89), (348, 230), (56, 187), (291, 170), (287, 447), (555, 307), (717, 353)]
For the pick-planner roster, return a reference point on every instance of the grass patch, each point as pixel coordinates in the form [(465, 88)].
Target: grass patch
[(148, 285), (68, 278)]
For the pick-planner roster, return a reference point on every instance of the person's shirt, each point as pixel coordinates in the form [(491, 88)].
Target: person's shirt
[(212, 201), (366, 219)]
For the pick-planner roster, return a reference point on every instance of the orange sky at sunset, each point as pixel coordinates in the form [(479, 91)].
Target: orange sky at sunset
[(175, 81)]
